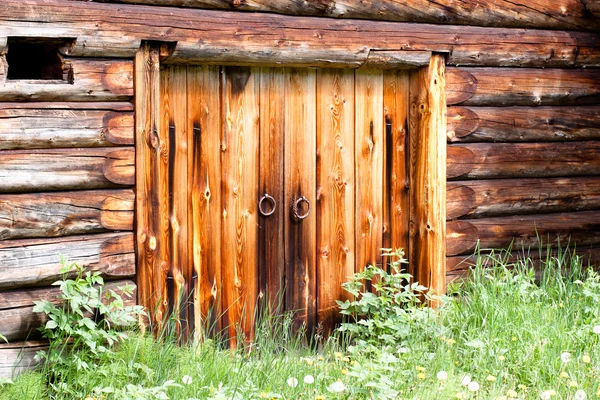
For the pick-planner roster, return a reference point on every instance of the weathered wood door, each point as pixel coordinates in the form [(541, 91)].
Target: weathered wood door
[(278, 184)]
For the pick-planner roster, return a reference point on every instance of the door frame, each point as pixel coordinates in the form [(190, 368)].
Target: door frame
[(426, 170)]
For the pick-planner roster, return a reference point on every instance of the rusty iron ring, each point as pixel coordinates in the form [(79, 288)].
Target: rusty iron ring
[(266, 196), (295, 208)]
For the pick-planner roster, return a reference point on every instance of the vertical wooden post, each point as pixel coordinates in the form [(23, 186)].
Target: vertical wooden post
[(428, 175), (151, 216)]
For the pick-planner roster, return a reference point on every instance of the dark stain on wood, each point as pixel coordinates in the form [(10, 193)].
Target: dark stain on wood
[(238, 76)]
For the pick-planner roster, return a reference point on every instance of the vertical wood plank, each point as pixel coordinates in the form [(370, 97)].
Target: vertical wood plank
[(300, 180), (428, 175), (369, 149), (240, 195), (335, 190), (152, 219), (271, 177), (396, 160), (204, 138)]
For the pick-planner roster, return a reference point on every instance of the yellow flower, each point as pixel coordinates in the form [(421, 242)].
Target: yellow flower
[(501, 357), (263, 395), (337, 354), (309, 362), (346, 359), (319, 397), (491, 378), (421, 375), (573, 383), (460, 395), (564, 375), (421, 369), (451, 341), (521, 386), (514, 339), (511, 393), (344, 371), (320, 358), (586, 359)]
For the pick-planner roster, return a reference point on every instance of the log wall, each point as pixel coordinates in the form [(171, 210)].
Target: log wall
[(66, 189)]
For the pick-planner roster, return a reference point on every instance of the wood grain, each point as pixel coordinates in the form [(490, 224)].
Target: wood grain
[(205, 212), (66, 169), (427, 255), (335, 190), (18, 357), (267, 39), (300, 180), (68, 105), (19, 321), (271, 239), (93, 80), (36, 262), (368, 164), (582, 228), (35, 129), (65, 213), (522, 86), (567, 14), (175, 123), (523, 160), (505, 197), (239, 171), (151, 191), (523, 124), (396, 197)]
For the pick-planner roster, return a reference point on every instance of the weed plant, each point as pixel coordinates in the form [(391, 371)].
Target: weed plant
[(503, 333)]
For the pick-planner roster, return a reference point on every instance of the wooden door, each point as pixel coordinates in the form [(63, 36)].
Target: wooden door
[(275, 186)]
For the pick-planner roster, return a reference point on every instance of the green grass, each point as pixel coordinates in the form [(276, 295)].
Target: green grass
[(503, 328)]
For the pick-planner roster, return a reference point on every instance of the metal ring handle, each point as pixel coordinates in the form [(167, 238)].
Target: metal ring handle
[(271, 200), (299, 200)]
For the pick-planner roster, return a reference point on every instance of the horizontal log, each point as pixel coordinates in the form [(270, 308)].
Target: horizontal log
[(220, 37), (460, 266), (43, 128), (19, 321), (109, 106), (570, 14), (505, 197), (523, 124), (65, 213), (19, 357), (581, 228), (36, 262), (93, 80), (523, 160), (522, 86), (66, 169)]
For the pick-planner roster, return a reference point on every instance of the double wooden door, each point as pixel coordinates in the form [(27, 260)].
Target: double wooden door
[(278, 184)]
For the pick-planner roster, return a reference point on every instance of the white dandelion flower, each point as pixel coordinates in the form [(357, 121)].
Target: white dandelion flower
[(442, 375), (292, 382), (337, 387), (580, 395), (565, 357), (466, 380), (473, 386), (309, 379), (186, 379)]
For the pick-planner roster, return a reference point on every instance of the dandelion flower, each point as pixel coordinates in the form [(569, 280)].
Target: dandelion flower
[(344, 371), (442, 375), (421, 375), (545, 395), (573, 383), (319, 397), (309, 361), (346, 359), (514, 338), (564, 375), (491, 378), (466, 380), (473, 386), (565, 357), (337, 387), (501, 358), (511, 393), (521, 386), (337, 354), (420, 369), (309, 379), (580, 395), (596, 329), (292, 382), (451, 341), (586, 359), (186, 379), (460, 395)]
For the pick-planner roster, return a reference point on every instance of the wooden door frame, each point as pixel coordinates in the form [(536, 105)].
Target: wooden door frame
[(427, 171)]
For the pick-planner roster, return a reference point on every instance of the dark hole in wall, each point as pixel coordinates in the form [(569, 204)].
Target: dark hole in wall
[(38, 59)]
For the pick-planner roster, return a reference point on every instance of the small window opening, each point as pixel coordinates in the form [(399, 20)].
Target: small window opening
[(38, 59)]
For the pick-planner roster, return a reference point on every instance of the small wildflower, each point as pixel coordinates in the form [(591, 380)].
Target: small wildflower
[(292, 382), (564, 375), (320, 358), (565, 357), (491, 378), (586, 359), (514, 338), (580, 395), (545, 395), (466, 380), (186, 379), (309, 379), (420, 369), (460, 395), (522, 387), (511, 393), (263, 395), (473, 386), (573, 383), (596, 329), (421, 375), (346, 359), (344, 371), (338, 355), (309, 361), (451, 341), (337, 387), (319, 397), (442, 375), (501, 357)]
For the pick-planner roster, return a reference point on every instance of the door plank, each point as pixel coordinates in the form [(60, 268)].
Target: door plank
[(369, 167), (335, 190), (395, 193), (204, 139), (271, 177), (240, 190), (174, 114), (300, 180)]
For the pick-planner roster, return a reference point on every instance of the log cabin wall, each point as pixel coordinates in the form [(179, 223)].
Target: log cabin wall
[(523, 95)]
